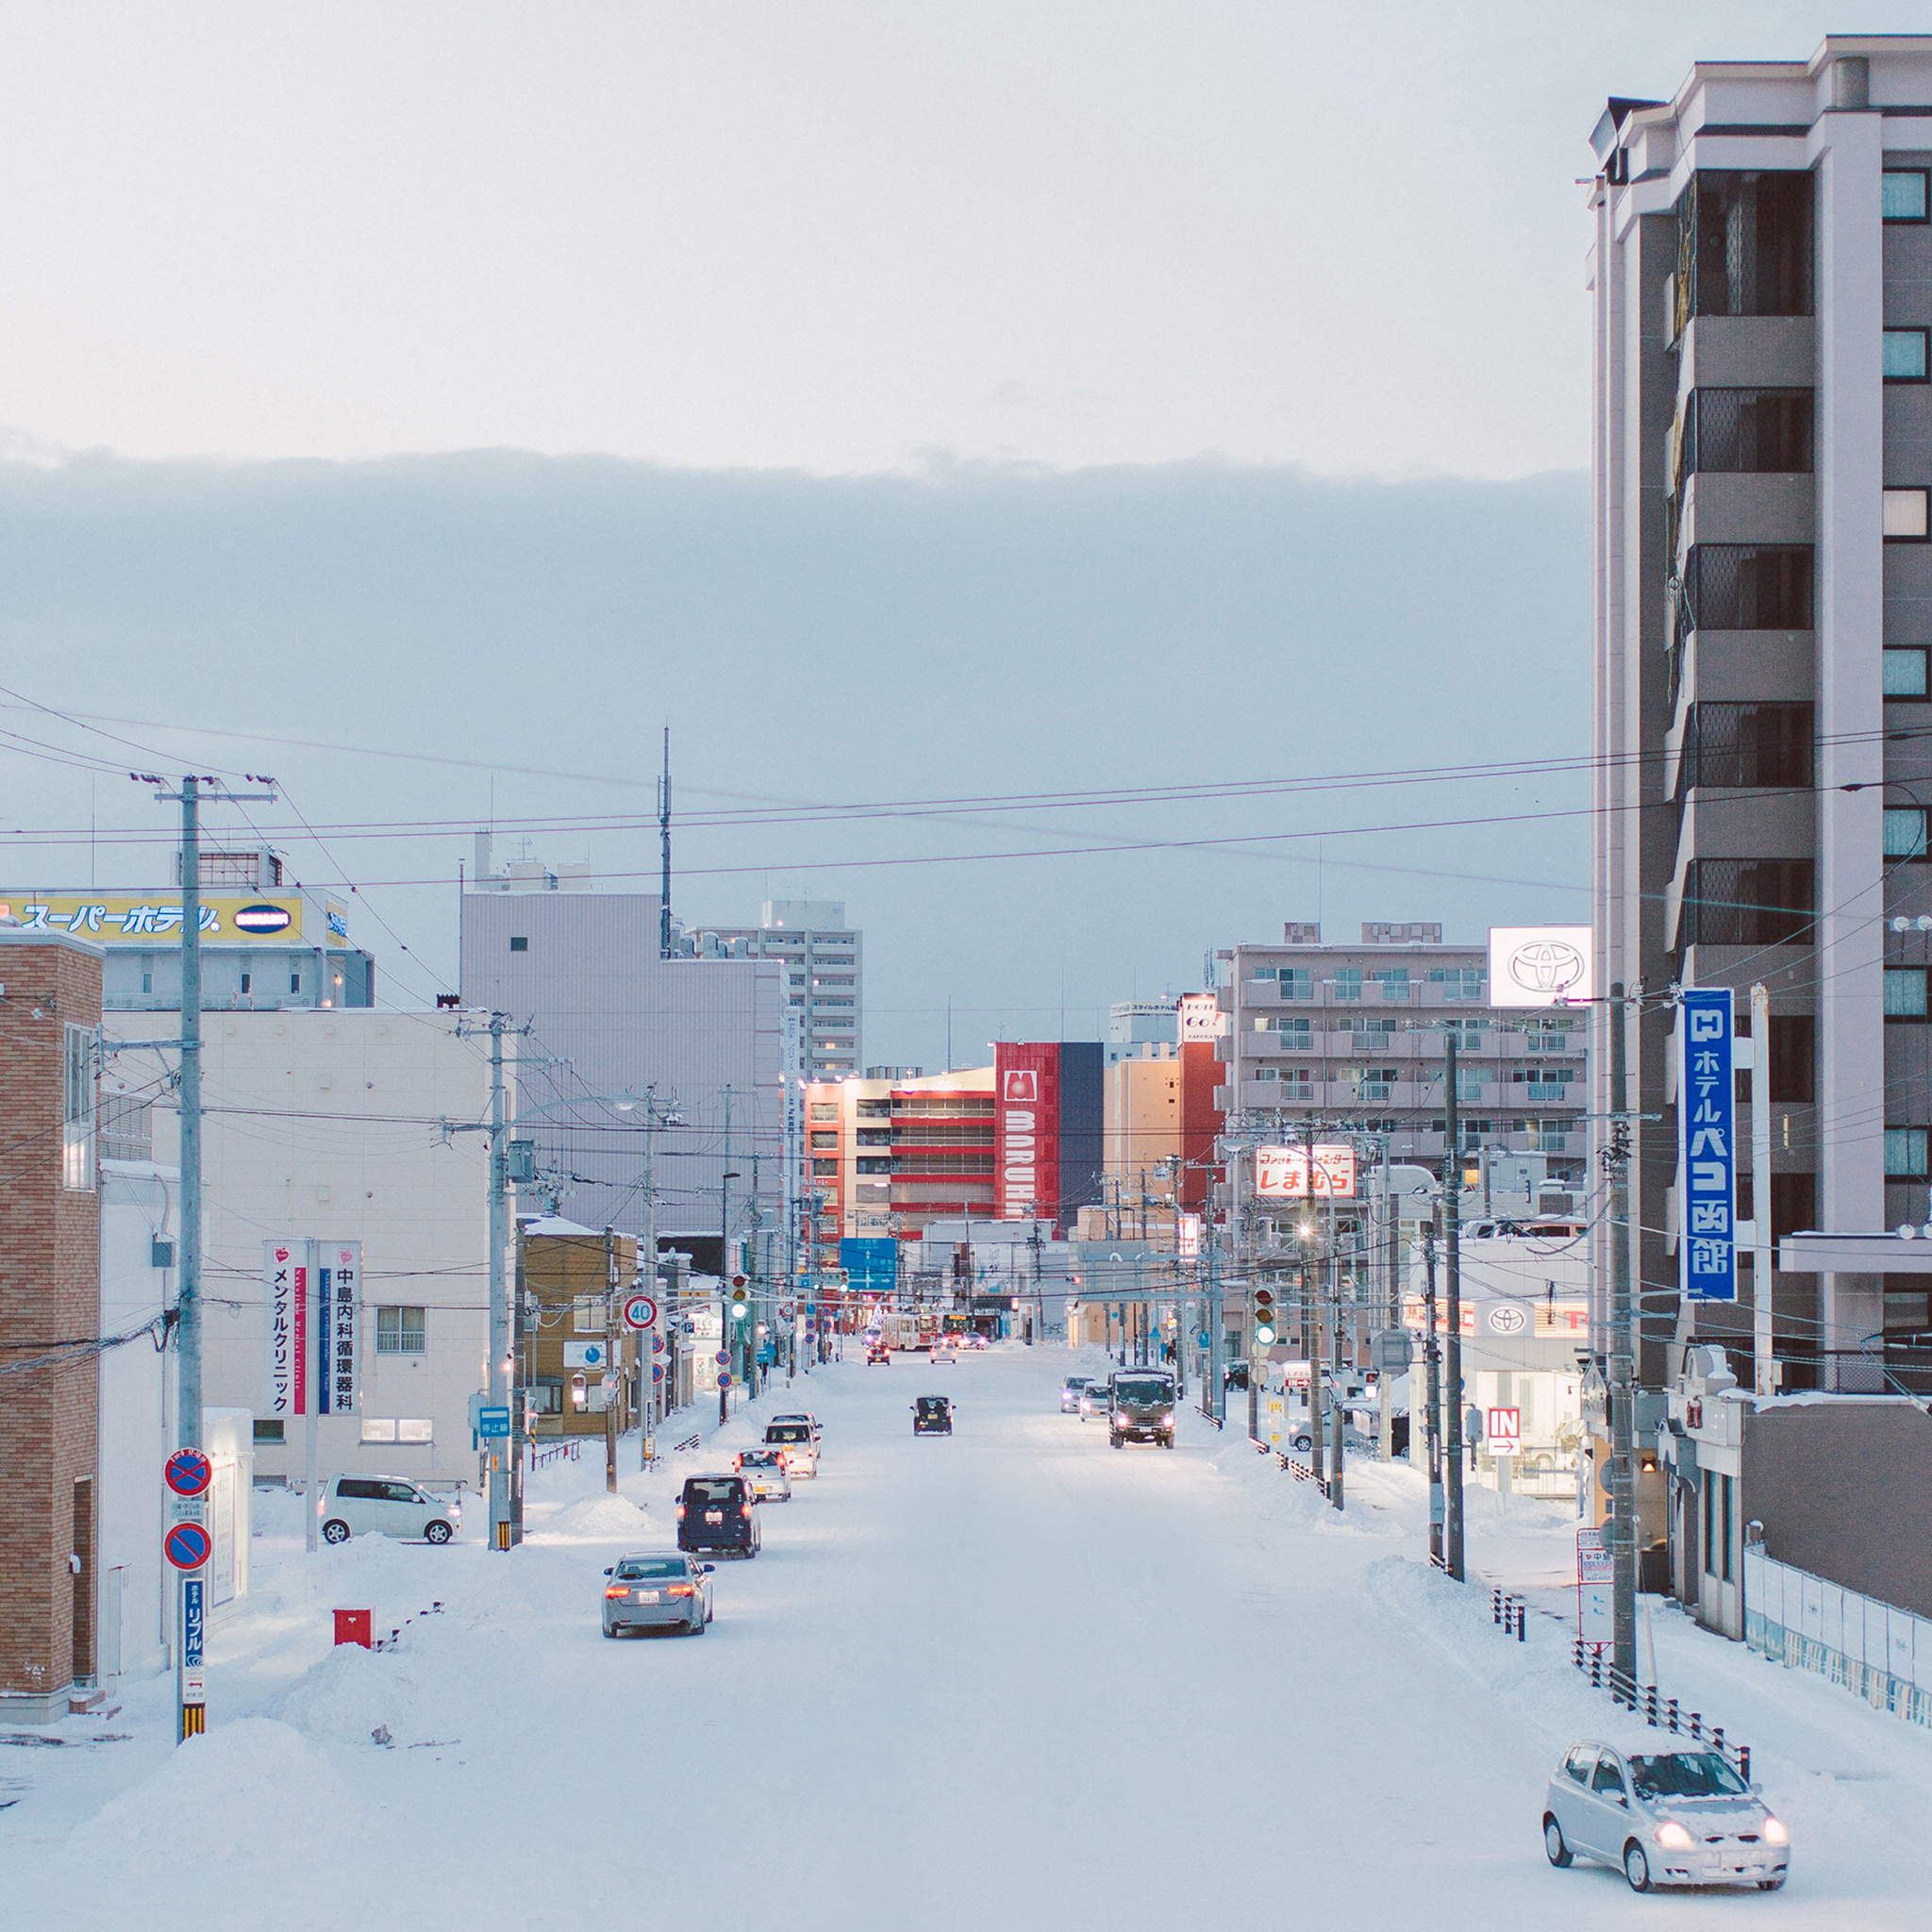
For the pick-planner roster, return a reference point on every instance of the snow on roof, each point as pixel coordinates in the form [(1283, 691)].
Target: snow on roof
[(555, 1223), (1821, 1398)]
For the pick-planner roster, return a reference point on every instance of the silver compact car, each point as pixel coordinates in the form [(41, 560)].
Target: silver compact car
[(1070, 1392), (1676, 1816), (764, 1470), (1094, 1405), (658, 1591)]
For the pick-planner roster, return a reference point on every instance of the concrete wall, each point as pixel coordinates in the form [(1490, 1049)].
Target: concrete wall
[(1843, 1489)]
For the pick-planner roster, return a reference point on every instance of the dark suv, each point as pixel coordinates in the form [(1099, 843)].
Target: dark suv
[(715, 1512)]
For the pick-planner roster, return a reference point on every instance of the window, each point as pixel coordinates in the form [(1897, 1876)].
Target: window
[(1298, 983), (1903, 194), (1906, 516), (874, 1136), (826, 1169), (375, 1428), (519, 942), (1469, 1086), (267, 1431), (875, 1163), (588, 1314), (1746, 746), (1267, 1072), (1793, 1057), (1906, 672), (1301, 1031), (77, 1109), (1459, 982), (824, 1140), (1394, 983), (247, 981), (1908, 1311), (1905, 831), (294, 982), (1906, 354), (1348, 982), (399, 1331), (1745, 239), (1747, 902), (415, 1429), (548, 1391), (824, 1109), (1747, 431), (1905, 992), (1905, 1153), (1748, 587), (874, 1110)]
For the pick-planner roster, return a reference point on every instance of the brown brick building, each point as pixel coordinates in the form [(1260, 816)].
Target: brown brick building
[(50, 1299), (565, 1275)]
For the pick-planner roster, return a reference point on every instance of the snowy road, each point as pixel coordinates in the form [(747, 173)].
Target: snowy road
[(1009, 1678)]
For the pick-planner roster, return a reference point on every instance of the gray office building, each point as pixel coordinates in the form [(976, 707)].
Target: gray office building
[(611, 1018), (1762, 287), (1355, 1033)]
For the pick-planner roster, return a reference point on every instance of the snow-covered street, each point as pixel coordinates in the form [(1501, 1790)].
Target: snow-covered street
[(1008, 1677)]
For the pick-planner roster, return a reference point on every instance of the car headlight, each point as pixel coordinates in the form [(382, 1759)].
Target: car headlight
[(1774, 1833), (1167, 1418), (1672, 1833)]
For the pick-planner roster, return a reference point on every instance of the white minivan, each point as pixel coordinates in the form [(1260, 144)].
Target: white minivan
[(387, 1506)]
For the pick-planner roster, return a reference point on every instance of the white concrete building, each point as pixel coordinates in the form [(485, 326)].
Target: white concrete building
[(340, 1126)]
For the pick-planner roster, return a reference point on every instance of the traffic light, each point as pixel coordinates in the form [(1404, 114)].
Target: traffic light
[(740, 1307), (579, 1391), (1264, 1317)]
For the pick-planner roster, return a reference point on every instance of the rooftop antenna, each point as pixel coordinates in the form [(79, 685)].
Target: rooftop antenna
[(664, 841)]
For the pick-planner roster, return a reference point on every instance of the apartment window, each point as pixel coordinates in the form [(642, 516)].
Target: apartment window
[(1469, 1086), (1905, 992), (1459, 982), (1905, 519), (1748, 587), (1904, 1154), (824, 1109), (1907, 355), (1793, 1057), (1265, 1073), (820, 1139), (875, 1163), (1299, 1029), (827, 1169), (1298, 983), (1745, 239), (1749, 431), (1746, 746), (1908, 674), (1747, 902), (1905, 831), (399, 1331), (1394, 983), (874, 1136), (1903, 194), (1348, 982), (77, 1109), (874, 1110)]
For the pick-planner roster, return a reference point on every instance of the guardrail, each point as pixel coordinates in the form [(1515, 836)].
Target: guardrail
[(1660, 1713), (558, 1452)]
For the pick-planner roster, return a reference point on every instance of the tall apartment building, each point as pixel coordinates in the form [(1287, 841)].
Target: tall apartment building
[(1762, 283), (1358, 1033), (1134, 1025), (824, 975)]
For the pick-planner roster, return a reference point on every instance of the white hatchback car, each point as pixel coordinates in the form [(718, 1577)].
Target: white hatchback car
[(387, 1506), (1678, 1815)]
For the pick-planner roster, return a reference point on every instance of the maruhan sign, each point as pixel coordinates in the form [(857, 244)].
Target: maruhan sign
[(1541, 966)]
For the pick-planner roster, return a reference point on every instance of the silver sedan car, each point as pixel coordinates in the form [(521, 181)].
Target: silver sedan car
[(655, 1590), (1677, 1815)]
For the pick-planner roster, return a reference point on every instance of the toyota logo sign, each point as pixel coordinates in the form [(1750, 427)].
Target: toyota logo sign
[(1540, 965)]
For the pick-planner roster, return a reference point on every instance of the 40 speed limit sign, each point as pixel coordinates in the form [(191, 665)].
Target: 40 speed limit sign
[(639, 1311)]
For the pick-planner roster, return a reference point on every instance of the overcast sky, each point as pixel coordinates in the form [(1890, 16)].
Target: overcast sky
[(903, 403), (831, 236)]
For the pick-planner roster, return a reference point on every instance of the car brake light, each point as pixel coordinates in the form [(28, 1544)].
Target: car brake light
[(682, 1589), (616, 1590), (680, 1512), (744, 1508)]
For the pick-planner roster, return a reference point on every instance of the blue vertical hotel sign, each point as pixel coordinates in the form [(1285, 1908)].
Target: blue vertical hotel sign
[(1707, 1147)]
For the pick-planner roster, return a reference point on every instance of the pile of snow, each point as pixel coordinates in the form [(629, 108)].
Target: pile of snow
[(602, 1519)]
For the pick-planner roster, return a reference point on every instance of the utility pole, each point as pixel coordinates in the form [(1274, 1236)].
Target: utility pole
[(191, 1699), (1311, 1303), (1452, 1201), (1622, 1366), (613, 1380), (1761, 1340), (647, 1400), (499, 1296), (1432, 1357)]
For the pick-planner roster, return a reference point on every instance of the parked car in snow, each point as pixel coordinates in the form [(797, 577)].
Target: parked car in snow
[(1070, 1392), (715, 1512), (795, 1439), (653, 1591), (387, 1506), (1678, 1816), (765, 1471)]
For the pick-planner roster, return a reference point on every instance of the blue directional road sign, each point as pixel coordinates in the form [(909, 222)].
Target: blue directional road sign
[(492, 1421), (187, 1545)]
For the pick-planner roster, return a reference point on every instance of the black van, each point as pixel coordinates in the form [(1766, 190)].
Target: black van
[(715, 1512), (932, 1415)]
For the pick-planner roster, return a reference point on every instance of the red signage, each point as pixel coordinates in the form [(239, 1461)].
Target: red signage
[(1026, 1131)]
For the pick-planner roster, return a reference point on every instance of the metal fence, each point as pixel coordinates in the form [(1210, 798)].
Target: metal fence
[(1873, 1650)]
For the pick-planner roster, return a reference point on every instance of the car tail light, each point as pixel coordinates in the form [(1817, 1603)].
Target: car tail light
[(680, 1512), (616, 1590), (744, 1508), (682, 1589)]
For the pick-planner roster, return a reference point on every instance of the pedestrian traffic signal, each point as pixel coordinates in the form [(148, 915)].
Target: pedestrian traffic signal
[(1264, 1316)]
